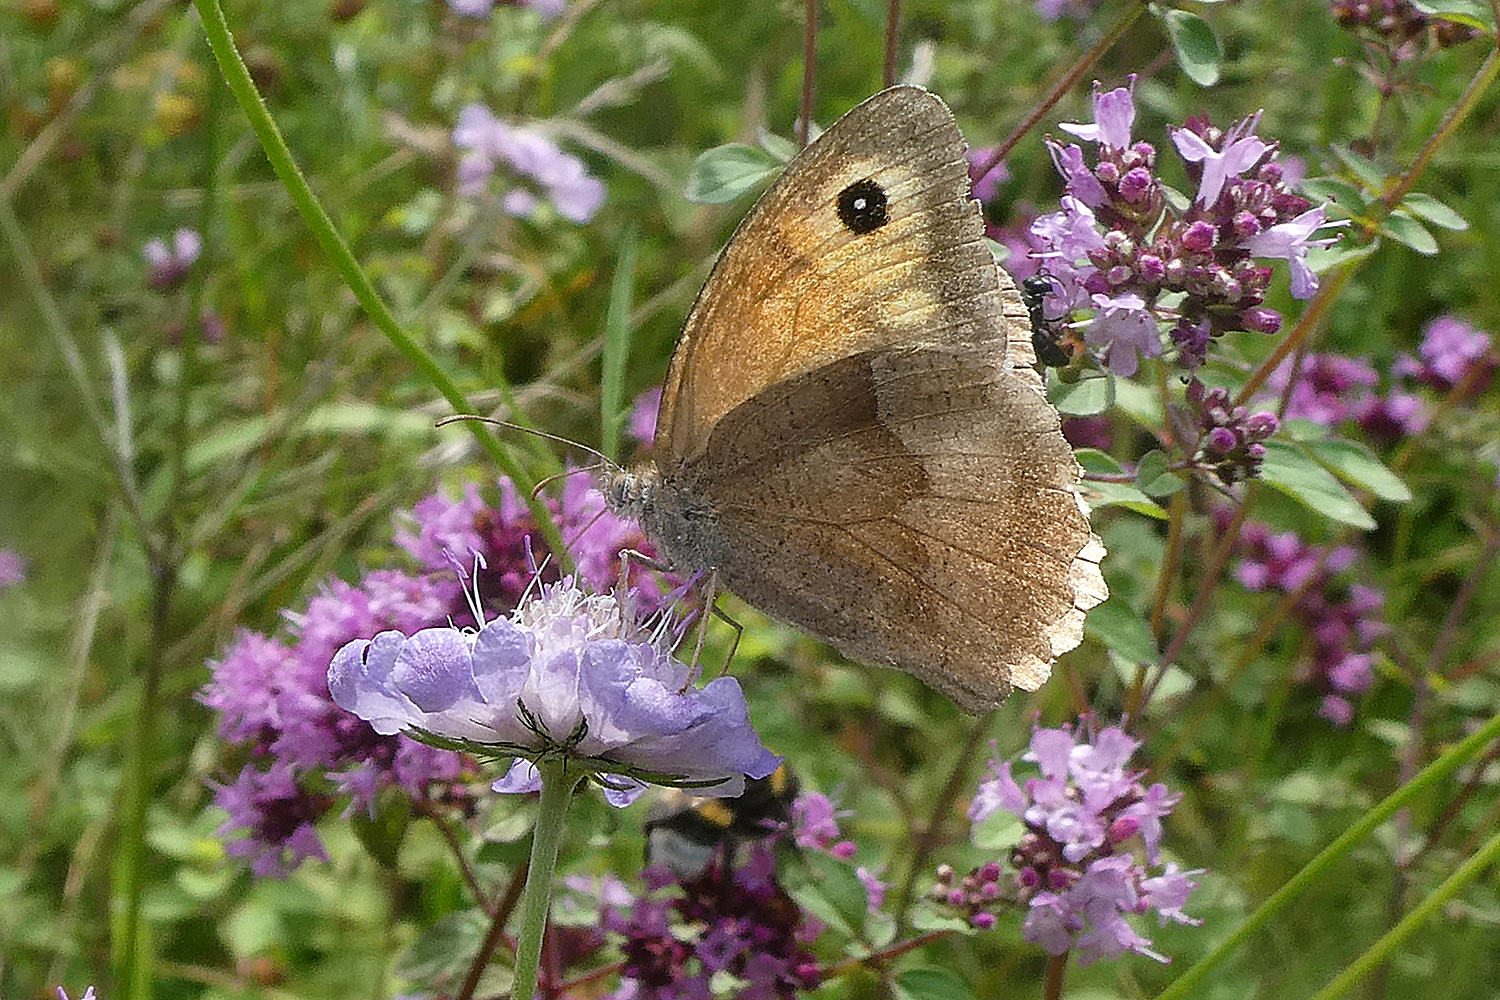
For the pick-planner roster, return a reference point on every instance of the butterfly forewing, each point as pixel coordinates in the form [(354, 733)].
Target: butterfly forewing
[(806, 279)]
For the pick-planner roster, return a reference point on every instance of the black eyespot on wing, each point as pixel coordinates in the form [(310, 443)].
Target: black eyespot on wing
[(862, 206)]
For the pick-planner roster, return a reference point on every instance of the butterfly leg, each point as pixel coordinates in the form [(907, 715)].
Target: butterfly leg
[(739, 630)]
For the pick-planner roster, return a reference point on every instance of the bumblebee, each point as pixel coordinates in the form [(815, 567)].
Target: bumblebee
[(1044, 340), (684, 832)]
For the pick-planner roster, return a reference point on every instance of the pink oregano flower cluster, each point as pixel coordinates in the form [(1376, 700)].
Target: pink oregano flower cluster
[(1125, 262), (1091, 853)]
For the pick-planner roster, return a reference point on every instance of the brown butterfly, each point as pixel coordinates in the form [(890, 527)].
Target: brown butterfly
[(853, 437)]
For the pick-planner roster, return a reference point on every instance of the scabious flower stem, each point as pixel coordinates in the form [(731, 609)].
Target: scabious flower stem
[(557, 791), (1312, 872), (237, 76)]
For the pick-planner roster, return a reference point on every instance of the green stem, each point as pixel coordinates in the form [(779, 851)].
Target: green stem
[(338, 253), (1304, 879), (1381, 950), (557, 790)]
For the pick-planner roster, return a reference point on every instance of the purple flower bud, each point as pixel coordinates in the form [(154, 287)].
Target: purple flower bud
[(1124, 828), (1245, 224), (1195, 391), (957, 897), (1118, 275), (1255, 452), (1222, 440), (1135, 185), (1146, 152), (1261, 426), (1027, 878), (1059, 878), (945, 873), (1150, 267), (1107, 173), (1176, 272), (1261, 320), (1198, 237), (983, 920), (989, 871), (843, 850)]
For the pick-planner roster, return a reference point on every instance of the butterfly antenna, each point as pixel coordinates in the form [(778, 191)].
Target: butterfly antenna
[(605, 459), (564, 475)]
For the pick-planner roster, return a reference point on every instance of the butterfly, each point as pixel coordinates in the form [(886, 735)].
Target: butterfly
[(852, 436)]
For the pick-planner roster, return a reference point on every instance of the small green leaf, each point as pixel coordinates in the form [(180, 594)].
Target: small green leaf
[(1405, 229), (1117, 627), (1094, 460), (724, 173), (1474, 13), (1362, 167), (931, 984), (1354, 463), (1197, 47), (781, 148), (1122, 495), (1337, 190), (998, 831), (1294, 473), (1140, 403), (1427, 207), (1083, 398), (1153, 478)]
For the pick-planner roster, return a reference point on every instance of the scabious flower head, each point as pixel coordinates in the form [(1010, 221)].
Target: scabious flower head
[(569, 673), (167, 266), (1087, 858), (88, 994), (486, 143), (1128, 264), (12, 569), (271, 692)]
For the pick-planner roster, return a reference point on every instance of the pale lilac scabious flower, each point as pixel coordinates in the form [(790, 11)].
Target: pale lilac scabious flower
[(88, 994), (167, 266), (271, 692), (483, 8), (1092, 842), (568, 673), (12, 569), (487, 143)]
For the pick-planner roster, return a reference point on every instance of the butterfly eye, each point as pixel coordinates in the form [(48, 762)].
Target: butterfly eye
[(862, 206)]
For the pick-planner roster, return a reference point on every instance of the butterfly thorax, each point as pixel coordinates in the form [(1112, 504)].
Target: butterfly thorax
[(683, 526)]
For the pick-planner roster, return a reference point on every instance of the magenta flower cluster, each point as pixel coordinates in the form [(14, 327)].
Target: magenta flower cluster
[(1342, 617), (731, 920), (1124, 261), (1090, 856), (1453, 359), (487, 143), (1230, 438), (303, 753)]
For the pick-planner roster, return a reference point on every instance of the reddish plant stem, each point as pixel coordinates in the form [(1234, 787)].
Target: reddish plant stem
[(1057, 965), (465, 870), (884, 956), (809, 64), (1064, 84), (892, 41), (492, 938)]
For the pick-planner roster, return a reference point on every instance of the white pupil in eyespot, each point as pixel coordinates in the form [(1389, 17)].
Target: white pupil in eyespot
[(859, 204)]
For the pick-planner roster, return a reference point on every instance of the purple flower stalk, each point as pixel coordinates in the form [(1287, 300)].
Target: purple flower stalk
[(1452, 355), (1343, 618), (1091, 852), (568, 674), (488, 143), (167, 267), (1120, 252), (1230, 438)]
